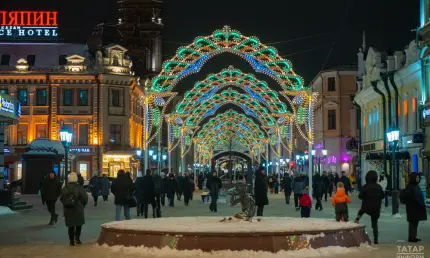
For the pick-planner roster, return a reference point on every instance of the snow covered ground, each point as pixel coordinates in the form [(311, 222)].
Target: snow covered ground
[(213, 224), (5, 211)]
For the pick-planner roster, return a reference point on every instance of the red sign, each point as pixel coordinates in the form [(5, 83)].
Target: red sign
[(20, 24)]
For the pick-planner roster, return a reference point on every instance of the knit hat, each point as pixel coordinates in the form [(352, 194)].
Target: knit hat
[(306, 190), (73, 177)]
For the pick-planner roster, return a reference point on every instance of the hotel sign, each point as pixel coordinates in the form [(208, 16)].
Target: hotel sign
[(426, 115), (9, 107), (28, 24)]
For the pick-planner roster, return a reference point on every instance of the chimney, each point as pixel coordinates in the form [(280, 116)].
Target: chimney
[(399, 58), (390, 63)]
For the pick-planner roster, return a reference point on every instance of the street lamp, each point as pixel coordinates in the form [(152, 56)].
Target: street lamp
[(324, 152), (151, 152), (164, 157), (154, 157), (393, 139), (66, 139)]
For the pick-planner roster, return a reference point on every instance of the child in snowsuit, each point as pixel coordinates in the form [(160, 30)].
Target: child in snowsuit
[(340, 203), (305, 204), (371, 195)]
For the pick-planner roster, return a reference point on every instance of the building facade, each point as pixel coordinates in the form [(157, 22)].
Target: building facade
[(59, 84), (335, 120), (389, 93)]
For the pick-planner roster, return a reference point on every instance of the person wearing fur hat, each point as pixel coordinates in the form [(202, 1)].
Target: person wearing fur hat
[(74, 199)]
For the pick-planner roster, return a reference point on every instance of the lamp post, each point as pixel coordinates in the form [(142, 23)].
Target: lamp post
[(66, 139), (393, 139)]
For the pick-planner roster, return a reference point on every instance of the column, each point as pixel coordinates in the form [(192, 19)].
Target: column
[(310, 135)]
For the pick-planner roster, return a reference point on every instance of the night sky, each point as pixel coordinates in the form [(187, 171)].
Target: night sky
[(388, 24)]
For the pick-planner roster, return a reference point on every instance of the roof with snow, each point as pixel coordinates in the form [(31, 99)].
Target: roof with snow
[(45, 147)]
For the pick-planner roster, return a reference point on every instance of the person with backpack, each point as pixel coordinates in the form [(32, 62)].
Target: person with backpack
[(74, 199), (371, 195), (122, 189), (416, 210), (50, 193)]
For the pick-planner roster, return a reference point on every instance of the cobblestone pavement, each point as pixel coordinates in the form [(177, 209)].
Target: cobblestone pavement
[(27, 234)]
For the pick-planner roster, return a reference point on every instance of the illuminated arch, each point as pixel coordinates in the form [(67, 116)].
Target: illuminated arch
[(263, 59)]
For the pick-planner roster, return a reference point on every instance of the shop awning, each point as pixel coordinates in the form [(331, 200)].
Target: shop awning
[(401, 155)]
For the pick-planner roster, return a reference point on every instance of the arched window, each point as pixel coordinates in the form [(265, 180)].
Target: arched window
[(115, 61), (405, 114)]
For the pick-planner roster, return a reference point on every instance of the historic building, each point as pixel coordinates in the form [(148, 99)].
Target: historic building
[(335, 119), (61, 84), (389, 93)]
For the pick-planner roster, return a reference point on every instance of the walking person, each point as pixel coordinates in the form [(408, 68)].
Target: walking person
[(298, 187), (158, 191), (305, 204), (423, 186), (371, 195), (340, 203), (200, 181), (139, 188), (104, 182), (383, 183), (346, 183), (276, 184), (286, 183), (148, 194), (122, 189), (336, 180), (330, 177), (416, 210), (81, 180), (50, 193), (318, 186), (95, 187), (260, 191), (187, 188), (74, 199), (214, 184), (326, 184), (170, 190), (179, 179), (163, 192)]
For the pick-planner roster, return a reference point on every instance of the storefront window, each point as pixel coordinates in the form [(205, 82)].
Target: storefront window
[(83, 169), (22, 134), (41, 131), (19, 171)]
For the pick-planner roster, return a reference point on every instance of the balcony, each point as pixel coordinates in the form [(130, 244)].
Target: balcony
[(75, 110)]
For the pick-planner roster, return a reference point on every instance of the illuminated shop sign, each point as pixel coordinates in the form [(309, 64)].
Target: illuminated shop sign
[(24, 24), (9, 107), (80, 150)]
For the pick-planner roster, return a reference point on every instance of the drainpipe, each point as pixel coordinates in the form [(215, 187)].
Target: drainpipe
[(390, 122), (384, 121), (359, 142)]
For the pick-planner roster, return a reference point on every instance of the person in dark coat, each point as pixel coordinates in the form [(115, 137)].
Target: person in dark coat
[(200, 181), (138, 193), (50, 193), (122, 188), (326, 184), (179, 179), (41, 187), (318, 186), (170, 189), (163, 193), (187, 188), (260, 191), (286, 184), (148, 194), (331, 183), (104, 183), (416, 210), (298, 188), (81, 180), (158, 191), (347, 184), (371, 195), (74, 216), (214, 184), (336, 179), (95, 187)]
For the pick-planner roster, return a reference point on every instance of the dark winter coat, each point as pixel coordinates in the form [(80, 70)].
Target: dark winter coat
[(325, 181), (138, 190), (371, 195), (95, 186), (74, 217), (414, 200), (51, 189), (330, 180), (260, 189), (81, 180), (170, 187), (179, 181), (214, 184), (158, 184), (286, 183), (346, 183), (187, 187), (318, 186), (336, 179), (298, 185), (104, 183), (122, 188), (148, 189)]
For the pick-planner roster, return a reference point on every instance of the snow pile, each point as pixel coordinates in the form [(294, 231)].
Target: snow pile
[(213, 225), (5, 211), (167, 252)]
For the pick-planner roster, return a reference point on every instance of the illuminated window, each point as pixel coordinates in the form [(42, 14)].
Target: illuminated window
[(4, 91), (414, 114), (332, 120), (405, 116), (41, 97), (41, 131), (5, 59), (83, 134), (83, 97), (331, 84), (67, 97), (31, 60), (19, 170), (22, 134), (115, 134), (22, 97), (83, 170)]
